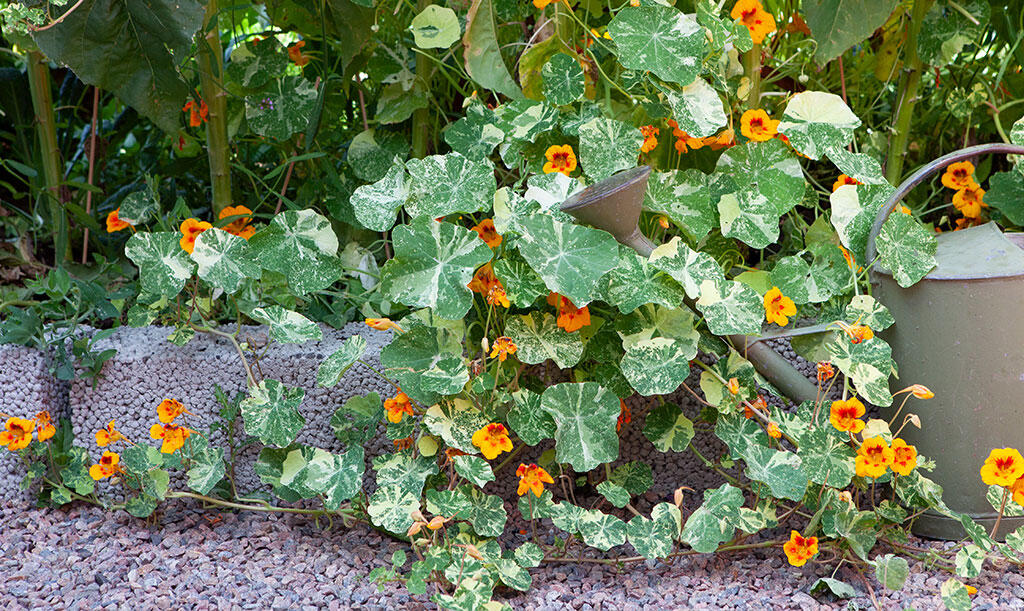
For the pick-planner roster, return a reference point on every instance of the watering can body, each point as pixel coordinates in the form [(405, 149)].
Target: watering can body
[(960, 332)]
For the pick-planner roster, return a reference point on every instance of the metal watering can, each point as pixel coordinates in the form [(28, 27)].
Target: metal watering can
[(960, 332)]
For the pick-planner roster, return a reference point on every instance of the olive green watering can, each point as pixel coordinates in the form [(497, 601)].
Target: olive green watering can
[(951, 335)]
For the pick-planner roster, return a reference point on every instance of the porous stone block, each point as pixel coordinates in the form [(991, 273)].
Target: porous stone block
[(147, 369), (26, 388)]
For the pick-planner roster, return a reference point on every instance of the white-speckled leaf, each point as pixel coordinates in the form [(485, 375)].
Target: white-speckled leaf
[(474, 469), (601, 530), (769, 168), (585, 416), (659, 39), (811, 283), (455, 422), (207, 469), (137, 207), (697, 108), (282, 108), (607, 146), (891, 571), (427, 362), (301, 245), (440, 185), (254, 63), (570, 258), (668, 428), (816, 122), (376, 205), (403, 470), (968, 562), (634, 282), (550, 190), (526, 119), (655, 366), (781, 471), (433, 263), (475, 135), (163, 265), (373, 152), (613, 493), (689, 267), (286, 326), (946, 31), (335, 365), (538, 337), (827, 461), (854, 208), (748, 216), (868, 364), (531, 423), (654, 537), (684, 197), (859, 166), (270, 413), (870, 312), (391, 507), (731, 307), (712, 523), (224, 260), (906, 248), (562, 79), (522, 284)]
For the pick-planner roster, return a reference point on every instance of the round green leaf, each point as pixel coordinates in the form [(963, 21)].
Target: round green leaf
[(668, 428), (270, 412), (607, 146), (282, 109), (163, 265), (286, 326), (659, 39), (224, 260), (585, 416), (538, 338), (301, 245), (563, 79), (570, 258), (435, 28), (440, 185), (817, 122)]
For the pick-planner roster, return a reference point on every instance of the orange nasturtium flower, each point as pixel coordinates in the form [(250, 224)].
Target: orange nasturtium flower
[(734, 386), (856, 332), (724, 139), (1003, 467), (560, 159), (541, 4), (44, 426), (295, 54), (777, 307), (240, 226), (570, 317), (751, 14), (169, 409), (799, 549), (383, 324), (773, 430), (483, 279), (959, 175), (825, 371), (114, 223), (625, 416), (492, 440), (109, 435), (758, 126), (844, 180), (398, 406), (485, 229), (109, 464), (845, 415), (174, 436), (403, 444), (190, 229), (496, 295), (532, 478), (873, 457), (969, 201), (1017, 490), (17, 433), (759, 404), (502, 347), (650, 134), (918, 390), (904, 457), (196, 112)]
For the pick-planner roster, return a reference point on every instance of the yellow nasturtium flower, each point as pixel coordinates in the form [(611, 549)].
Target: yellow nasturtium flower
[(873, 457), (758, 126), (492, 440), (532, 478), (169, 409), (904, 457), (560, 158), (109, 464), (845, 415), (174, 436), (17, 433), (800, 549), (751, 14), (777, 307), (1003, 467)]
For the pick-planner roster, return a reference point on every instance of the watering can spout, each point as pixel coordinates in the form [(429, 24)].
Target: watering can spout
[(614, 205)]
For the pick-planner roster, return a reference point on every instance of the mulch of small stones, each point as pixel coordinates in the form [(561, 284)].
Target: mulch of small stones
[(187, 558)]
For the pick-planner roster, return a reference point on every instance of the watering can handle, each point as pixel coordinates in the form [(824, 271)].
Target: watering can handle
[(924, 172)]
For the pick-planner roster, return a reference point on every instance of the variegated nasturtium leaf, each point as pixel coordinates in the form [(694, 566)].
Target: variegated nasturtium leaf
[(563, 79), (224, 260), (659, 39), (892, 571), (435, 27), (722, 31), (270, 413), (748, 216), (404, 471), (391, 507), (375, 206), (859, 166), (281, 109), (613, 493), (585, 416), (440, 185), (655, 537), (634, 477), (433, 263), (207, 469), (301, 245), (731, 307), (522, 284), (286, 326), (374, 151), (336, 477), (697, 108), (713, 523), (781, 471), (427, 363), (634, 282), (163, 265), (668, 428), (733, 366), (356, 421), (526, 119), (816, 122), (335, 365), (513, 575), (1006, 194), (906, 248), (601, 530), (946, 30), (455, 422), (570, 258), (254, 63), (813, 282), (659, 344), (486, 511), (768, 168), (531, 423), (854, 208), (868, 364), (137, 207), (529, 555), (684, 197), (827, 461), (474, 135), (687, 266), (550, 190), (278, 467), (607, 146), (869, 312), (474, 469), (955, 595), (538, 338)]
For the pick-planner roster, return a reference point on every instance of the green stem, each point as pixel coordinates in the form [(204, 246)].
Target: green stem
[(49, 153), (752, 64), (910, 80), (211, 70), (421, 117)]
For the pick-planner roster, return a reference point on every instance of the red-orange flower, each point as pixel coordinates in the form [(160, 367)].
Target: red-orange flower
[(825, 371), (383, 324), (17, 433), (959, 175), (109, 435), (844, 180), (845, 415), (873, 457), (502, 347), (969, 201), (190, 230), (108, 465), (295, 54), (485, 229), (169, 409), (1003, 467), (773, 430), (196, 112), (492, 440), (398, 406), (483, 279), (174, 436), (751, 14), (560, 158), (114, 223), (650, 134), (44, 426), (403, 444), (625, 416), (532, 478), (758, 126), (800, 549), (496, 295), (856, 332), (904, 457), (240, 226), (570, 317)]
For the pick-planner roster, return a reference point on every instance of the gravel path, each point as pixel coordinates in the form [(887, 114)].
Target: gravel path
[(85, 558)]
